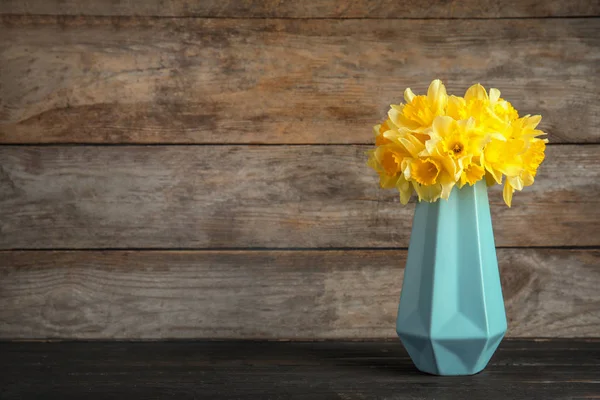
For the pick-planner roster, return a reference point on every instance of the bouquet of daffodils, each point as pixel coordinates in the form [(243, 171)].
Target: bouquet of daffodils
[(435, 141)]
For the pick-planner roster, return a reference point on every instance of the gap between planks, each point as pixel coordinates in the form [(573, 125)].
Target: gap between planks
[(175, 144), (539, 339), (191, 17), (265, 249)]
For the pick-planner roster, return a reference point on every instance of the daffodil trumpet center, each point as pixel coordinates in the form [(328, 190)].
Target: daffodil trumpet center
[(391, 164), (457, 149), (425, 171)]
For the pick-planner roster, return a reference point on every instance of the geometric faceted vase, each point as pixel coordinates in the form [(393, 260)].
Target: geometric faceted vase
[(451, 316)]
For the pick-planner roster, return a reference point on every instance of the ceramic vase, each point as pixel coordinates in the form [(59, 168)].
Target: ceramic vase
[(451, 316)]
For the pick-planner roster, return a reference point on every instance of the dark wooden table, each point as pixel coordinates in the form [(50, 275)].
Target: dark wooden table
[(540, 369)]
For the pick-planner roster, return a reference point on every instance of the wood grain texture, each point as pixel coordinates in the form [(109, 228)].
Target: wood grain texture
[(258, 196), (268, 294), (520, 370), (307, 9), (145, 80)]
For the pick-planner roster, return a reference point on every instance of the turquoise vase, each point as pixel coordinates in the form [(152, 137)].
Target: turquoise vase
[(451, 316)]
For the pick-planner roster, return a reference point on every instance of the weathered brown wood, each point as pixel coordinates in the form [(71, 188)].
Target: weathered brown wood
[(258, 196), (145, 80), (308, 9), (268, 294)]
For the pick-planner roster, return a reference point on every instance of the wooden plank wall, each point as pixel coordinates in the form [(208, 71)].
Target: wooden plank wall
[(196, 169)]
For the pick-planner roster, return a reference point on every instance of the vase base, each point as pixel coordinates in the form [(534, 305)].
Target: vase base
[(450, 373), (450, 357)]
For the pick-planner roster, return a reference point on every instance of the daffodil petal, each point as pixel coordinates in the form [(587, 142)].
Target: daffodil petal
[(441, 125), (494, 95), (516, 182), (408, 95), (476, 92), (405, 190), (437, 96), (395, 114), (507, 193)]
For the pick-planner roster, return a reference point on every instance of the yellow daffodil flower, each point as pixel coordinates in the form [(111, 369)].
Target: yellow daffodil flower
[(433, 142), (418, 113)]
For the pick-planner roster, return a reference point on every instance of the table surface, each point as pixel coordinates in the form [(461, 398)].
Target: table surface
[(520, 369)]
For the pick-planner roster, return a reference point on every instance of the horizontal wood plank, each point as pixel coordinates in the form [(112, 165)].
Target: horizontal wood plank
[(323, 370), (144, 80), (258, 196), (307, 9), (268, 294)]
